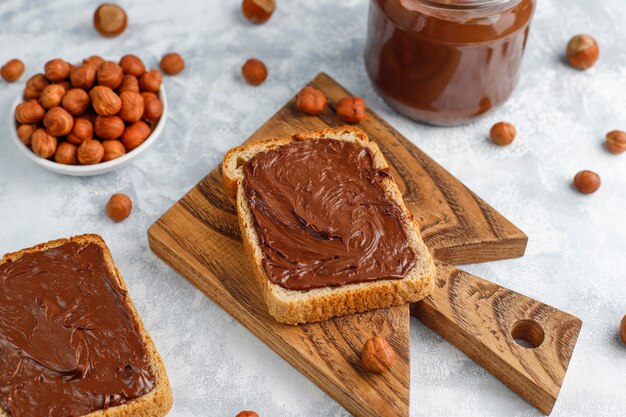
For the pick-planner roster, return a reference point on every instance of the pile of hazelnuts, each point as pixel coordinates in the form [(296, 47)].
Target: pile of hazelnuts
[(91, 113)]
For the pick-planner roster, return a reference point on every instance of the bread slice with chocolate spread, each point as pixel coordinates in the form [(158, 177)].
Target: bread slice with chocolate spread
[(128, 383), (325, 226)]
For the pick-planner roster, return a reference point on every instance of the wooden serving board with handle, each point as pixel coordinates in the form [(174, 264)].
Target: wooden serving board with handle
[(199, 237)]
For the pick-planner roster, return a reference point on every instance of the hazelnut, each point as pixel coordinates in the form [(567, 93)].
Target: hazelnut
[(582, 51), (94, 60), (132, 106), (25, 132), (172, 63), (81, 131), (587, 182), (622, 330), (83, 77), (151, 81), (65, 85), (58, 121), (112, 149), (377, 355), (503, 133), (616, 141), (66, 154), (247, 414), (90, 152), (119, 207), (108, 127), (43, 143), (110, 74), (310, 101), (75, 101), (104, 101), (35, 86), (51, 96), (351, 109), (135, 134), (132, 65), (29, 112), (57, 70), (152, 107), (258, 11), (129, 83), (12, 70), (254, 71), (110, 20)]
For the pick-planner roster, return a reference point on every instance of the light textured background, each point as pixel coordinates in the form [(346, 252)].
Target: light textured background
[(577, 246)]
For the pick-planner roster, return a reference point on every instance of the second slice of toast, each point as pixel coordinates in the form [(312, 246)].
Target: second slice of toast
[(294, 306)]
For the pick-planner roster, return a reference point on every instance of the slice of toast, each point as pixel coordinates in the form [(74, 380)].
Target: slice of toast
[(158, 401), (295, 306)]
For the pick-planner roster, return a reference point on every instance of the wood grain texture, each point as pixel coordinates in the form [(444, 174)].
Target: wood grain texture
[(199, 237), (483, 319)]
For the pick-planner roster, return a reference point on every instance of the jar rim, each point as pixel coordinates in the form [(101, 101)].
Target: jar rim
[(465, 4)]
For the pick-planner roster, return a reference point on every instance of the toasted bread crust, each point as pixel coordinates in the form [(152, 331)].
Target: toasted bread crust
[(294, 307), (158, 401)]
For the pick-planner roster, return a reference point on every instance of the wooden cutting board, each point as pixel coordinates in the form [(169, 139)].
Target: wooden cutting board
[(199, 237)]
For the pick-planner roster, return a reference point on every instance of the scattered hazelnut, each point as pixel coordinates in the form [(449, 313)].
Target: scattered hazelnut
[(108, 127), (310, 101), (57, 70), (254, 71), (94, 60), (172, 63), (258, 11), (81, 131), (503, 133), (377, 355), (351, 109), (151, 81), (29, 112), (110, 20), (616, 141), (51, 96), (135, 134), (119, 207), (112, 149), (129, 83), (90, 152), (622, 330), (65, 84), (104, 101), (35, 86), (582, 51), (587, 182), (83, 77), (75, 101), (152, 107), (110, 74), (66, 154), (25, 132), (43, 144), (132, 65), (58, 121), (132, 106), (12, 70), (247, 414)]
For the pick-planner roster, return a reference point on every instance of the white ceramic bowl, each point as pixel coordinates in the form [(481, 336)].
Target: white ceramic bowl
[(86, 170)]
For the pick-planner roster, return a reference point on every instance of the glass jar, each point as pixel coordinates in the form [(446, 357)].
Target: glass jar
[(445, 62)]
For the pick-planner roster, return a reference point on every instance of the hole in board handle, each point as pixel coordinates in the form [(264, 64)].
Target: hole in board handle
[(528, 333)]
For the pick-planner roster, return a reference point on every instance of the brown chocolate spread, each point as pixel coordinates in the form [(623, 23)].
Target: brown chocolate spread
[(322, 216), (68, 343)]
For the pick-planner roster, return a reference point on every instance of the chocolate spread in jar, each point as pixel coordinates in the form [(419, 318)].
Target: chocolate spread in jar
[(322, 216), (68, 342), (446, 62)]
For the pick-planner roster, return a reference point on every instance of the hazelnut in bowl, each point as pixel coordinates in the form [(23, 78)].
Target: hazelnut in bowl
[(91, 118)]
